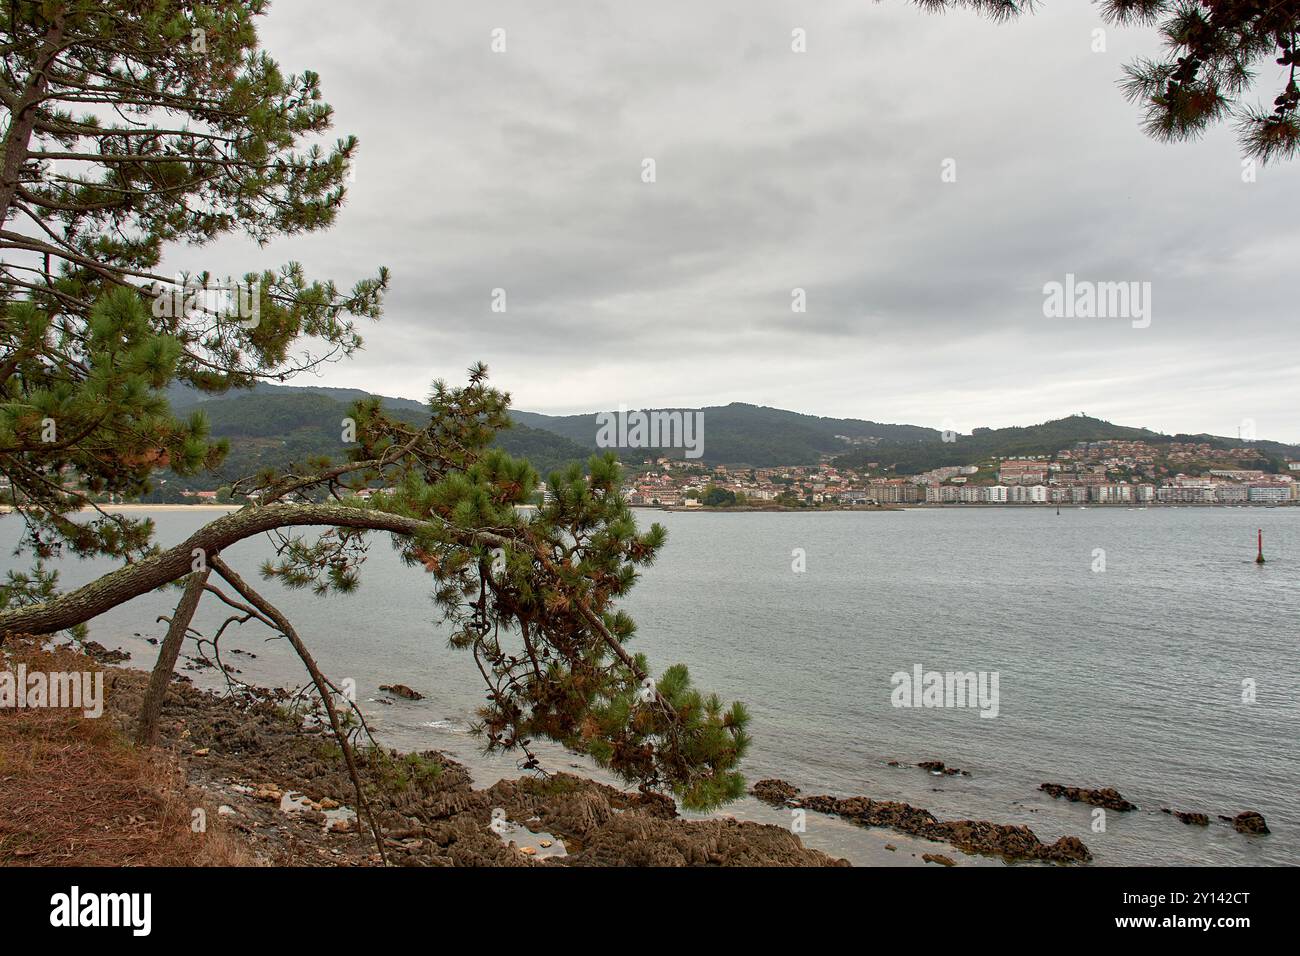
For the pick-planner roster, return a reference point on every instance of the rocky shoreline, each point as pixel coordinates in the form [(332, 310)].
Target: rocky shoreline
[(277, 781), (1012, 843), (283, 788)]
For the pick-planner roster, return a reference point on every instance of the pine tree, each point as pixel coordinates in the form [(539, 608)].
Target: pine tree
[(139, 123), (197, 134)]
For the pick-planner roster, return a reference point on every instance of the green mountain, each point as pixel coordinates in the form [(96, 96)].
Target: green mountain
[(750, 434), (733, 434), (1044, 439), (275, 425)]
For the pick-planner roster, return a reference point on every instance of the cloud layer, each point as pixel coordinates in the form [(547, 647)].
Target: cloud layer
[(778, 170)]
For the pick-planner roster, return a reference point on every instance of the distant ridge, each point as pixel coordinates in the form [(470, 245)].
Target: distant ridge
[(1032, 440), (736, 433), (753, 434), (274, 424)]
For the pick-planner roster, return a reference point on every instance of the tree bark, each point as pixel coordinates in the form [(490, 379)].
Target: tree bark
[(147, 727), (18, 142)]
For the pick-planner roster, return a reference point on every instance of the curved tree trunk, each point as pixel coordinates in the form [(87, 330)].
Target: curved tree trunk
[(120, 586)]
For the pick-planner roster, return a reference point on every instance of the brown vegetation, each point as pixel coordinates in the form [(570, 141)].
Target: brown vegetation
[(73, 791)]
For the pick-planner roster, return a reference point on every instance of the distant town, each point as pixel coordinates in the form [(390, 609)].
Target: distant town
[(1095, 472), (1108, 472)]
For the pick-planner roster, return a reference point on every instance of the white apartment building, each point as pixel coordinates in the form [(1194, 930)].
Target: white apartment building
[(1268, 493), (1112, 494)]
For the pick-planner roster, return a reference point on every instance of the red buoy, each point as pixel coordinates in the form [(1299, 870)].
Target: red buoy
[(1260, 557)]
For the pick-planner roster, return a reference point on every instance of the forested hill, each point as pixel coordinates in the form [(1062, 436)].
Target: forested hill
[(1044, 439), (733, 434), (753, 434), (275, 425)]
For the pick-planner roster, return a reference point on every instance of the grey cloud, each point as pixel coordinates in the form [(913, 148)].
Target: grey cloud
[(778, 170)]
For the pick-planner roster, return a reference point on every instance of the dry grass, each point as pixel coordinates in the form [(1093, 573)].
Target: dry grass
[(75, 792)]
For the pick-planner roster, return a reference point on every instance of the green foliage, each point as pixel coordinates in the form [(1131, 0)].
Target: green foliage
[(715, 497), (84, 419), (398, 773), (200, 135), (193, 133), (530, 595)]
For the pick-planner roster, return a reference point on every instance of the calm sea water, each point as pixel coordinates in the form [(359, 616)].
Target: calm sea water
[(1130, 677)]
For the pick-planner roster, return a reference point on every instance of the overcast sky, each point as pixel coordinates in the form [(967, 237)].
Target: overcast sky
[(778, 170)]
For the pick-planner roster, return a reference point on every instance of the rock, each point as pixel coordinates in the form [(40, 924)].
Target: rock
[(938, 858), (98, 652), (891, 848), (202, 752), (973, 836), (327, 804), (342, 826), (1107, 797), (1191, 819), (1250, 821), (401, 690), (776, 792), (937, 766)]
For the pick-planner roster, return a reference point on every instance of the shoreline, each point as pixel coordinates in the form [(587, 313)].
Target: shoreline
[(758, 509), (272, 779), (974, 506), (275, 773)]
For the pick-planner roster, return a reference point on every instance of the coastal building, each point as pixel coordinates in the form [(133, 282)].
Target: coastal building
[(1185, 494), (1027, 494), (1022, 471), (892, 490), (1111, 494), (1268, 492), (1229, 493)]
